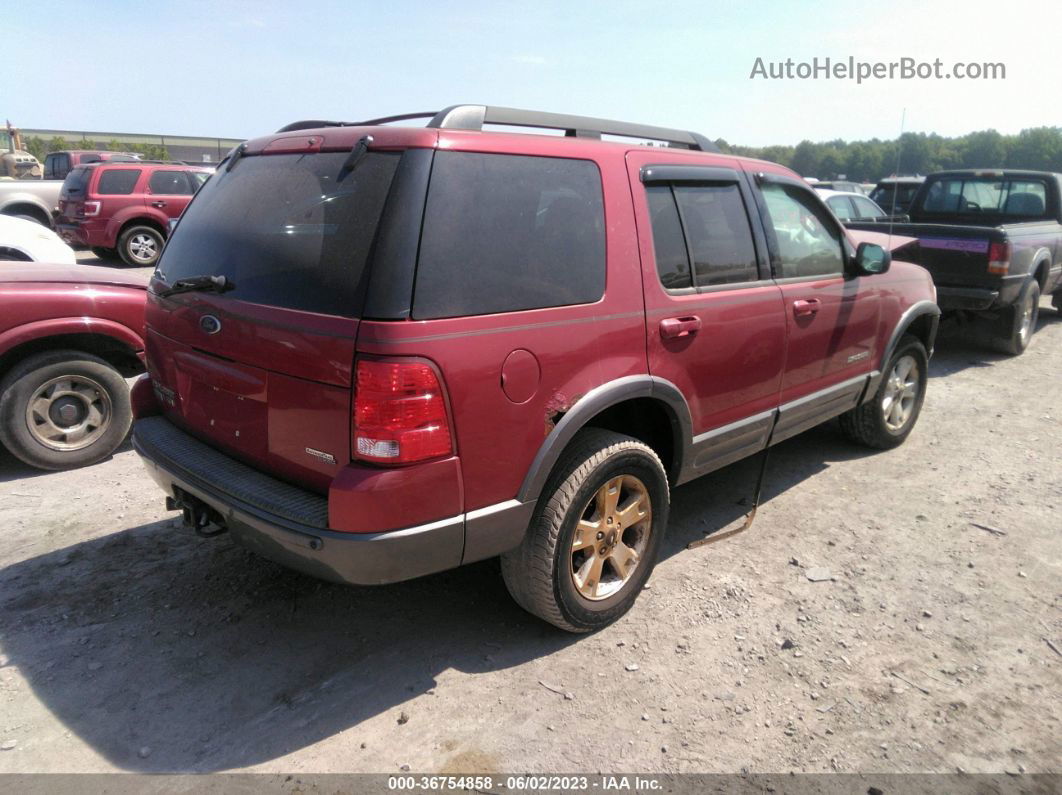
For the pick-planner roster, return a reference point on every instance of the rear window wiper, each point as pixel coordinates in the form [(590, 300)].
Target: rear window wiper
[(206, 284)]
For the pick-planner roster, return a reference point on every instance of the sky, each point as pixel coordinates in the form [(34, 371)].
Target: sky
[(242, 69)]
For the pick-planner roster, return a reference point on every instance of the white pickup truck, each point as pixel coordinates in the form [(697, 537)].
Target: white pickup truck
[(32, 199)]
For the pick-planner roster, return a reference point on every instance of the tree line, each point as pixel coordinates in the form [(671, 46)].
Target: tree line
[(39, 147), (1038, 148)]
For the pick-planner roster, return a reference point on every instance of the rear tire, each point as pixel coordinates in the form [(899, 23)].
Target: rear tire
[(595, 536), (887, 420), (63, 409), (140, 246), (1014, 328)]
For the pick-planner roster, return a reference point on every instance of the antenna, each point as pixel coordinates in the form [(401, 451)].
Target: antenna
[(896, 187)]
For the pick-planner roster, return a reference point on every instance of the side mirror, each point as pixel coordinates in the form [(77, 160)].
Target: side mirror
[(871, 259)]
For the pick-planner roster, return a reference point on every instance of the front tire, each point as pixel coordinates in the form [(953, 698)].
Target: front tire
[(887, 420), (140, 246), (63, 409), (595, 538)]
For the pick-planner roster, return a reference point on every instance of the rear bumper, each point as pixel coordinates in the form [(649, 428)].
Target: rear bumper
[(978, 298), (289, 525), (82, 234), (974, 298)]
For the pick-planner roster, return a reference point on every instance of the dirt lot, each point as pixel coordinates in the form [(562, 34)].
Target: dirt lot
[(130, 644)]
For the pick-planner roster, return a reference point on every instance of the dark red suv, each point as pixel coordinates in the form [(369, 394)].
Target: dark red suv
[(125, 208), (378, 352)]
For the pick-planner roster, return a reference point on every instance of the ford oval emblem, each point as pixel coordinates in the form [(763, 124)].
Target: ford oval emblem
[(210, 324)]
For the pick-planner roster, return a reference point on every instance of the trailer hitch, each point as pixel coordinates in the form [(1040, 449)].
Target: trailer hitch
[(751, 515), (196, 514)]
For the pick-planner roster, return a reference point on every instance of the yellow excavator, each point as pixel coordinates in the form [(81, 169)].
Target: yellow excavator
[(16, 162)]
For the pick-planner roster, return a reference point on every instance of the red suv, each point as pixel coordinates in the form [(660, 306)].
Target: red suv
[(378, 352), (125, 208)]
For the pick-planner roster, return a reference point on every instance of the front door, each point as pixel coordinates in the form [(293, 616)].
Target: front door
[(715, 322), (832, 317)]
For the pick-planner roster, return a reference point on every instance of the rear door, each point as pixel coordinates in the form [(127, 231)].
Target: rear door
[(169, 191), (715, 324), (832, 318)]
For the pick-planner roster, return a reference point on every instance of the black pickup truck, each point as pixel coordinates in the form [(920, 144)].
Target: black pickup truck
[(993, 242)]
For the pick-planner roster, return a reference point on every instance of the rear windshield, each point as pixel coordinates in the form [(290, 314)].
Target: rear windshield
[(882, 194), (76, 182), (291, 230), (987, 196)]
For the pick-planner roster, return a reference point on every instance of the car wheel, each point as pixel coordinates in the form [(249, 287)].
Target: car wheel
[(104, 253), (1014, 329), (140, 246), (595, 536), (887, 419), (63, 409)]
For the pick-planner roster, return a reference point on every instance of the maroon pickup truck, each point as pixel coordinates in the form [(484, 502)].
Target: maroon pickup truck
[(69, 336)]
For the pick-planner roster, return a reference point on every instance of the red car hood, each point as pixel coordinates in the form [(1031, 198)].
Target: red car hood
[(83, 274)]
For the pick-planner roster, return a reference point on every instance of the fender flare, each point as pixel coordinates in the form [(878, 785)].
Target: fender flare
[(42, 329), (1042, 255), (593, 403), (137, 215), (912, 313), (13, 200)]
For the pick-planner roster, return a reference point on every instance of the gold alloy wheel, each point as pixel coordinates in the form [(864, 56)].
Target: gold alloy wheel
[(611, 537)]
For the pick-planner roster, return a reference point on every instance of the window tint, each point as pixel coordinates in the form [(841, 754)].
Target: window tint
[(866, 208), (117, 181), (976, 195), (1025, 198), (505, 232), (76, 182), (718, 232), (56, 165), (669, 246), (170, 183), (841, 207), (90, 157), (807, 242), (292, 231)]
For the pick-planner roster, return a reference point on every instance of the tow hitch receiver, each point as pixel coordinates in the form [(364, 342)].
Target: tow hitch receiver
[(196, 514)]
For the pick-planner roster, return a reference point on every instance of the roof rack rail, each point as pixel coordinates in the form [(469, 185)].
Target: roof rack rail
[(473, 117)]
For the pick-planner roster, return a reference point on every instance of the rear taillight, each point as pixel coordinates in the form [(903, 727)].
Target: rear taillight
[(999, 258), (89, 209), (399, 413)]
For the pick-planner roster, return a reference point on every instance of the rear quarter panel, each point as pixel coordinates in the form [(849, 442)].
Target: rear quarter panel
[(575, 348)]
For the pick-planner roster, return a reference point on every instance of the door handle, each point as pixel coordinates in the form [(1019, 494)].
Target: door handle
[(158, 204), (672, 327), (805, 307)]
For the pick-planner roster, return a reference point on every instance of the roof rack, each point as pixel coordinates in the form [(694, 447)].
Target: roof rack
[(473, 117)]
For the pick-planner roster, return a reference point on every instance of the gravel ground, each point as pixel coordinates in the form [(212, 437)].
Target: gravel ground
[(130, 644)]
